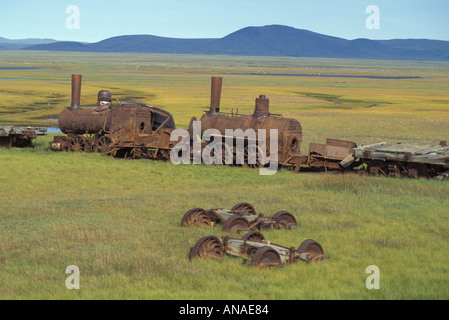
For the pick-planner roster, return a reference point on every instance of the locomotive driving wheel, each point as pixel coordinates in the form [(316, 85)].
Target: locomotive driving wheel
[(285, 219), (103, 144), (314, 250), (417, 170), (243, 209), (377, 168), (138, 153), (254, 157), (207, 247), (266, 257), (227, 155), (78, 144), (236, 224), (255, 236), (196, 217), (225, 158)]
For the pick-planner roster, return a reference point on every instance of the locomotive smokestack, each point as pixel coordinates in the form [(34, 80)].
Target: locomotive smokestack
[(76, 91), (262, 107), (215, 95)]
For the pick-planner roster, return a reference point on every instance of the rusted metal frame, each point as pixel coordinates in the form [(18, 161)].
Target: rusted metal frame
[(233, 137), (158, 146), (220, 217), (382, 156), (407, 152), (277, 222), (220, 214), (162, 125), (254, 221), (223, 215), (286, 161), (236, 247)]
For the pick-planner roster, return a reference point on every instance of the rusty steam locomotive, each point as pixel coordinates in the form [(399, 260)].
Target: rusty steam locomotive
[(126, 130), (135, 130)]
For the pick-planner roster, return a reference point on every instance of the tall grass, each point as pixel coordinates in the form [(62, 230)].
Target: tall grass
[(119, 222)]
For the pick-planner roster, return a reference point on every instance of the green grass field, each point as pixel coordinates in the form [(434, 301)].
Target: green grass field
[(119, 220)]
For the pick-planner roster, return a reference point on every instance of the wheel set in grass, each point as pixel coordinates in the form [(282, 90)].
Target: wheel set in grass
[(242, 217), (254, 246)]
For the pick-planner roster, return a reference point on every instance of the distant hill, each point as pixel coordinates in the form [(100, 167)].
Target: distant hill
[(273, 40), (61, 46), (22, 43)]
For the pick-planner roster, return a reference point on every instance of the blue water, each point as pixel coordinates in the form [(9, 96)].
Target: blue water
[(19, 68), (325, 76), (53, 130)]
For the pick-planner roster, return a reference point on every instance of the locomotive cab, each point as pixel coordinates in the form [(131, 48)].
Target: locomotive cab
[(127, 121)]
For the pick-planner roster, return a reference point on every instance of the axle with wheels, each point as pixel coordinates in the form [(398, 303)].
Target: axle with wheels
[(254, 246), (242, 217)]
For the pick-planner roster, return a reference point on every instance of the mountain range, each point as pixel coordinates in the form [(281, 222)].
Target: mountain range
[(272, 40)]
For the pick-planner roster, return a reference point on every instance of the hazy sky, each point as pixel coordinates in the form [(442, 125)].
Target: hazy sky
[(217, 18)]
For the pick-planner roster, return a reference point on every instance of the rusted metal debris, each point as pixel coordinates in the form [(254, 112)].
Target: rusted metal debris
[(289, 130), (19, 137), (127, 130), (134, 131), (402, 159), (254, 246), (242, 217)]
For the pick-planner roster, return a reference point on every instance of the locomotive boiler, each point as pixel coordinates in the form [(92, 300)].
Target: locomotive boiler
[(123, 130)]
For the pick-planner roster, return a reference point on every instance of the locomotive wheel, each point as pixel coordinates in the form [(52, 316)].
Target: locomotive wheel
[(226, 151), (377, 168), (255, 236), (196, 217), (137, 153), (252, 156), (207, 247), (77, 144), (103, 144), (252, 236), (236, 224), (123, 153), (286, 219), (266, 257), (313, 248), (417, 170), (243, 209)]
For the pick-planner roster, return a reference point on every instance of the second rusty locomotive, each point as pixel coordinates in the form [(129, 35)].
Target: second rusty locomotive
[(289, 130)]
